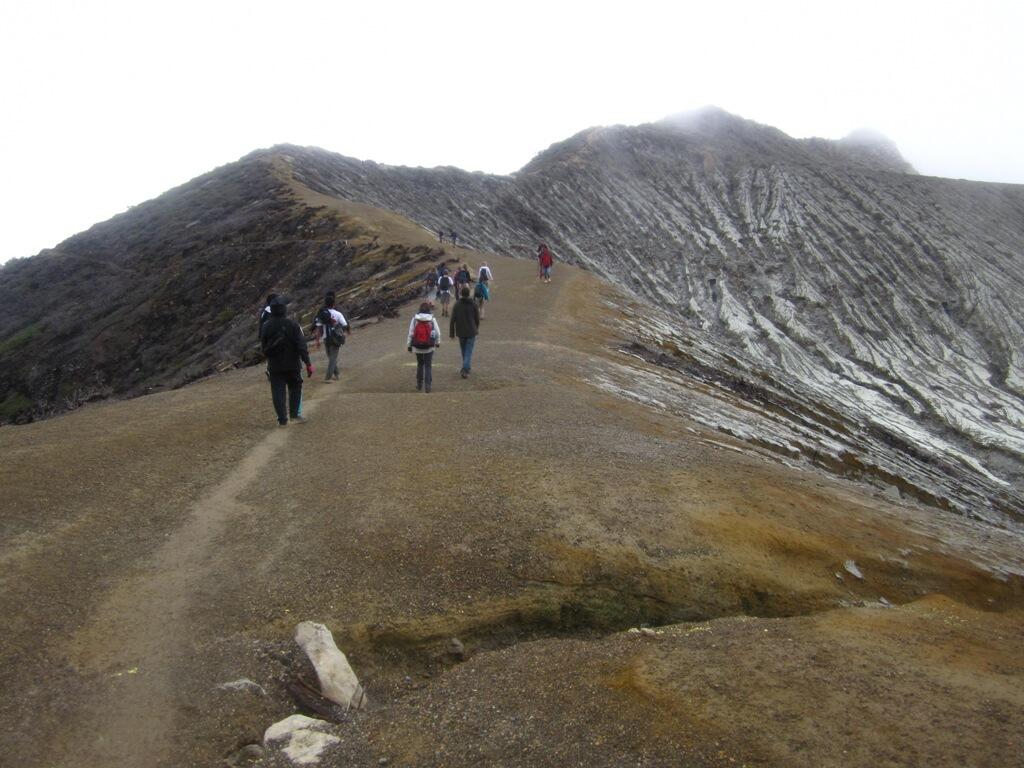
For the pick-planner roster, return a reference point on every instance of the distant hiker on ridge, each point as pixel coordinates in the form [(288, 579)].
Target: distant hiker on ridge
[(440, 235), (424, 338), (331, 326), (545, 260), (465, 324), (285, 347), (454, 237)]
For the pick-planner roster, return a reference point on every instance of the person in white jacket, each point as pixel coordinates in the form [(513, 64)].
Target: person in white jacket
[(424, 338)]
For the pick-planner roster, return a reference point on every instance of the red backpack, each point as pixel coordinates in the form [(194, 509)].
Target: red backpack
[(423, 334)]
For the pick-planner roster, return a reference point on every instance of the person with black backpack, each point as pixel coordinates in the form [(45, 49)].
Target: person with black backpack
[(445, 284), (463, 278), (282, 342), (331, 326), (424, 338)]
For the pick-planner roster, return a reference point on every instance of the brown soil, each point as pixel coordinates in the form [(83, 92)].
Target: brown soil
[(155, 548)]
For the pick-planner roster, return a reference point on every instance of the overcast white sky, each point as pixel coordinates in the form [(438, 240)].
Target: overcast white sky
[(107, 104)]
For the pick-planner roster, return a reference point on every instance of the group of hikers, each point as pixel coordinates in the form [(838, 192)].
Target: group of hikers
[(464, 317), (283, 342), (425, 336), (284, 345), (439, 283), (453, 236)]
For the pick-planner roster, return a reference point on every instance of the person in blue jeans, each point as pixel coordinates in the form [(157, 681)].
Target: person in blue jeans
[(465, 323)]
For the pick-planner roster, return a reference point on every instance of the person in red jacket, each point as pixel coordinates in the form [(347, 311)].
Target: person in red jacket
[(545, 259)]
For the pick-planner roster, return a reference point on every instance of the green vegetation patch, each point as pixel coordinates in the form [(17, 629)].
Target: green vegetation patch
[(21, 338), (14, 405)]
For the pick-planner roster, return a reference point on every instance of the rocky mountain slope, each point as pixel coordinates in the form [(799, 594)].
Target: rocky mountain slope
[(872, 316), (170, 291), (821, 274)]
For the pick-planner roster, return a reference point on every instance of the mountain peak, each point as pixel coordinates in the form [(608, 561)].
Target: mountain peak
[(712, 120), (864, 146)]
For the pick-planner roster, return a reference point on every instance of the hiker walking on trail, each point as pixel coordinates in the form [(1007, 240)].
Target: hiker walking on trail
[(331, 326), (454, 237), (429, 281), (462, 279), (481, 294), (440, 235), (545, 260), (424, 338), (445, 286), (465, 324), (265, 313), (285, 347), (484, 274)]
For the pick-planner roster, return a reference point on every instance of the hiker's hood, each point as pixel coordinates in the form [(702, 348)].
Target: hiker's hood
[(424, 316)]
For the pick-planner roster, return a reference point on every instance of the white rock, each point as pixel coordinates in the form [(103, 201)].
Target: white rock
[(851, 568), (337, 680), (305, 737), (284, 728)]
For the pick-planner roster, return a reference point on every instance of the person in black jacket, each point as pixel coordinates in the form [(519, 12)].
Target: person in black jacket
[(265, 312), (465, 324), (284, 345)]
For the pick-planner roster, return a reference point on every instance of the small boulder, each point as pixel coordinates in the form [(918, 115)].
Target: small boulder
[(456, 649), (305, 738), (338, 683)]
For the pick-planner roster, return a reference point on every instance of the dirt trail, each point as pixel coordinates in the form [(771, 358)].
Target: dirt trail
[(524, 511), (139, 636)]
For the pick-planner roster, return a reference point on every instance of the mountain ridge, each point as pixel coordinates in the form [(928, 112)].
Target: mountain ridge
[(888, 296)]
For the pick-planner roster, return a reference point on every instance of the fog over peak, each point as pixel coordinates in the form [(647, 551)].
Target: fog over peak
[(934, 78)]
